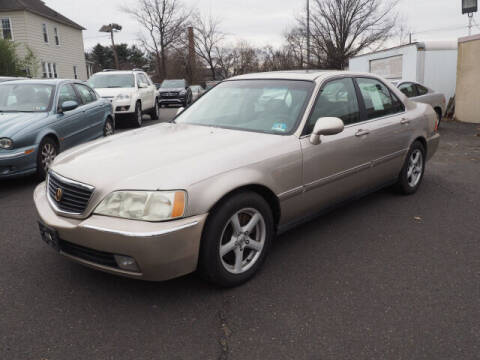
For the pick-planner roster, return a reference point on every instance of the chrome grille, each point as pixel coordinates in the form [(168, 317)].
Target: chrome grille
[(74, 196)]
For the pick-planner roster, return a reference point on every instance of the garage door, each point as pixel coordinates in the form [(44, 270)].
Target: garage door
[(390, 68)]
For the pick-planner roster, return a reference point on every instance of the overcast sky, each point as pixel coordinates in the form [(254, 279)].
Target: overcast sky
[(261, 22)]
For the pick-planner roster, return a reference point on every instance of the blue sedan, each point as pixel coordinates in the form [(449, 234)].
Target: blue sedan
[(40, 118)]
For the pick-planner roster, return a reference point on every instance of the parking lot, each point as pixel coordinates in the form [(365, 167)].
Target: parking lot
[(385, 277)]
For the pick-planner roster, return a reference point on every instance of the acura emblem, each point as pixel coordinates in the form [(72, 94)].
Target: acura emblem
[(58, 194)]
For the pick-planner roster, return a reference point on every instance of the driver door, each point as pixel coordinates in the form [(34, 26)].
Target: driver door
[(69, 124), (338, 167)]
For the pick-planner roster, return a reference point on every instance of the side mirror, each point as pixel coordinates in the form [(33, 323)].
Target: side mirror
[(68, 106), (326, 126), (142, 85), (180, 110)]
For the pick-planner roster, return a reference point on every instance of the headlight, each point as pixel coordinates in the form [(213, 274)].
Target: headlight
[(143, 205), (183, 92), (6, 143), (123, 97)]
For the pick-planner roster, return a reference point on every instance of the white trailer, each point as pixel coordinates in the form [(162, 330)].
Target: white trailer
[(432, 63)]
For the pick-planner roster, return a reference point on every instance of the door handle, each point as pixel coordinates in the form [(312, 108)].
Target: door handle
[(405, 121), (362, 132)]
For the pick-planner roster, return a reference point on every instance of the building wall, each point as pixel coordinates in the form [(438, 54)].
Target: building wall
[(440, 71), (68, 54), (409, 60), (467, 104), (19, 30), (27, 31)]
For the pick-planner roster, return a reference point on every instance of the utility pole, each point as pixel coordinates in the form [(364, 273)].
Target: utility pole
[(469, 7), (111, 28), (308, 33)]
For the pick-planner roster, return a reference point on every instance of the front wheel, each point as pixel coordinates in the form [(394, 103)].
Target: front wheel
[(108, 128), (412, 172), (47, 152), (236, 239), (138, 115)]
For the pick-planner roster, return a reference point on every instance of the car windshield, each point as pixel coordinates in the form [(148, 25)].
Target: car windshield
[(109, 81), (25, 97), (268, 106), (173, 84)]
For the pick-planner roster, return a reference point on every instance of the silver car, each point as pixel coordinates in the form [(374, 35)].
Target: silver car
[(211, 190), (420, 93)]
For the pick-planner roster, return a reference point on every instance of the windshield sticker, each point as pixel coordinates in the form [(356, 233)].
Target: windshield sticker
[(40, 108), (279, 127)]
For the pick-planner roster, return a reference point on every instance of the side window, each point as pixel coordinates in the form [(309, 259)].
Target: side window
[(422, 90), (397, 104), (408, 89), (377, 98), (338, 99), (85, 94), (66, 93)]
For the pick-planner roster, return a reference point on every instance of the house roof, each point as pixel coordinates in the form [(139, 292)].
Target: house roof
[(37, 7)]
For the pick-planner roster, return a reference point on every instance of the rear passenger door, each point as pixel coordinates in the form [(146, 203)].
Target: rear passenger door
[(388, 127), (339, 167), (94, 112), (147, 94)]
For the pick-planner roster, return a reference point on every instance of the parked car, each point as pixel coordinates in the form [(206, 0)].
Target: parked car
[(10, 78), (175, 92), (197, 91), (210, 190), (40, 118), (418, 92), (211, 84), (131, 93)]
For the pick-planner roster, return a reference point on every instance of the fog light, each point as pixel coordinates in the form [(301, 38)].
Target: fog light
[(126, 263)]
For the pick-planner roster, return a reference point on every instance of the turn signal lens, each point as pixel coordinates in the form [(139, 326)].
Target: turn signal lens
[(178, 204)]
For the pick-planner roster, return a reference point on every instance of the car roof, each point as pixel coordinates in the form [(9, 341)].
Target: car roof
[(310, 75), (116, 72)]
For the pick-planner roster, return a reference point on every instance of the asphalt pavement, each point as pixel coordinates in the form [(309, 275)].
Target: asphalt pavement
[(385, 277)]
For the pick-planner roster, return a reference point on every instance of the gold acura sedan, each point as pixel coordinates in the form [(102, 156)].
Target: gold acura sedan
[(254, 156)]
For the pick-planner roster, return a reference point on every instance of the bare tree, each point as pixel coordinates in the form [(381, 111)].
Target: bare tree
[(164, 22), (208, 39), (343, 28)]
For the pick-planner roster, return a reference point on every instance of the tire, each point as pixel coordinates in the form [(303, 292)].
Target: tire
[(47, 152), (244, 249), (439, 116), (411, 176), (154, 113), (137, 117), (108, 128)]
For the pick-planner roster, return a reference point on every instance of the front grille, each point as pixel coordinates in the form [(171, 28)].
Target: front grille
[(94, 256), (169, 94), (68, 195)]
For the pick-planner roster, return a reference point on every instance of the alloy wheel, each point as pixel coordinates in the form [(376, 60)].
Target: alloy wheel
[(415, 168), (108, 129), (242, 240), (48, 155)]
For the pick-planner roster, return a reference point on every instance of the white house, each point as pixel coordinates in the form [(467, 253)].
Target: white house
[(432, 63), (57, 42)]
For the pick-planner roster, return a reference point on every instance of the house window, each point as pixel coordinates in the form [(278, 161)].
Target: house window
[(6, 29), (44, 69), (45, 33), (55, 75), (57, 39), (75, 74), (50, 72)]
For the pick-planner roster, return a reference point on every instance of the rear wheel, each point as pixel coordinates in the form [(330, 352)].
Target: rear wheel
[(236, 240), (47, 152), (412, 172)]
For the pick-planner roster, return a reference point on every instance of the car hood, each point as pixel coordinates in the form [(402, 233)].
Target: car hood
[(165, 156), (114, 91), (12, 123), (171, 89)]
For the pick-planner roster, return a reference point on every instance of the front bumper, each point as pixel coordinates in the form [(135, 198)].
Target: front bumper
[(179, 100), (16, 162), (162, 251)]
